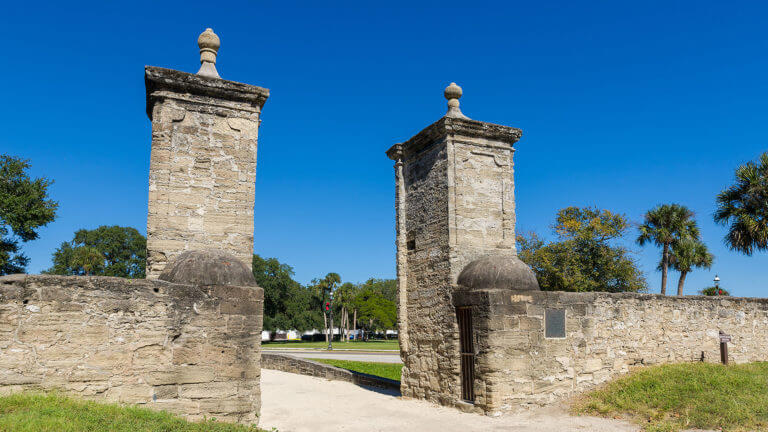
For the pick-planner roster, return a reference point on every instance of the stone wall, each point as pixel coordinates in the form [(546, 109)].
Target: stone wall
[(606, 334), (202, 168), (455, 203), (191, 350), (301, 366)]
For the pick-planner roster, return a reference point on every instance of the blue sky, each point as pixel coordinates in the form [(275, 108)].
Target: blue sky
[(623, 105)]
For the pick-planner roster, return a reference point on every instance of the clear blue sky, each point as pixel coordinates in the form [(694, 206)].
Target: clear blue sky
[(623, 105)]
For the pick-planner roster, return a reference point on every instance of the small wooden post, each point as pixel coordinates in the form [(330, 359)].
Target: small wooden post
[(724, 339)]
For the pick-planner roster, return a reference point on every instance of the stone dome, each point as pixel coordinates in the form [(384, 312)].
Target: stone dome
[(498, 272), (208, 267)]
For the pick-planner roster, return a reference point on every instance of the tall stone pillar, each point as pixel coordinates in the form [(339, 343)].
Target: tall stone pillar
[(202, 168), (455, 204)]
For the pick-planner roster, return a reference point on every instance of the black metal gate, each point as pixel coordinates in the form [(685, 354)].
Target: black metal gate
[(464, 317)]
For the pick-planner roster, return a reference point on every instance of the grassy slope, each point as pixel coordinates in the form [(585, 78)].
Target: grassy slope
[(27, 412), (693, 395), (372, 345), (386, 370)]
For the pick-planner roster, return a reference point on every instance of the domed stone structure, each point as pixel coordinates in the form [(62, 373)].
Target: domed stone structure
[(498, 272), (208, 267)]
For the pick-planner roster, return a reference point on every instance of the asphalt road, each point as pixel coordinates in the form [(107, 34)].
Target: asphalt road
[(354, 355)]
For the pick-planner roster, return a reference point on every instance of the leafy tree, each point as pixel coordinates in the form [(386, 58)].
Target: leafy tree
[(664, 225), (386, 287), (376, 313), (287, 304), (87, 258), (714, 291), (24, 208), (586, 256), (324, 289), (344, 301), (744, 207), (123, 251), (686, 255)]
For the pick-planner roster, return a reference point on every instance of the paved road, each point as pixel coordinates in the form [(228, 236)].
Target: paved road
[(298, 403), (355, 355)]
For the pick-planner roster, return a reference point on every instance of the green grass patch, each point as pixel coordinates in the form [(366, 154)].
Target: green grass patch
[(686, 396), (51, 412), (370, 345), (392, 371)]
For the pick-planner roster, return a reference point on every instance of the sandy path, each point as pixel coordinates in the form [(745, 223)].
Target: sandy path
[(297, 403)]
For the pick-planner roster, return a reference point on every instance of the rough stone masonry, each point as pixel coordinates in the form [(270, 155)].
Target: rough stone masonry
[(202, 169), (187, 339), (455, 203), (191, 349), (475, 330)]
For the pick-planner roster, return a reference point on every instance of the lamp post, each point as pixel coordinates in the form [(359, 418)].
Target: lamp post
[(717, 285)]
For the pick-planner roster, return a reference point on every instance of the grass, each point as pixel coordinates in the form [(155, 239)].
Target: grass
[(385, 370), (686, 396), (51, 412), (378, 345)]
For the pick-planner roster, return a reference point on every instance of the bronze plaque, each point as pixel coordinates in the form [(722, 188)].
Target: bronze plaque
[(554, 323)]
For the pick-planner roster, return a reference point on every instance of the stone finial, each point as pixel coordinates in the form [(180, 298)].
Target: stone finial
[(209, 45), (453, 93)]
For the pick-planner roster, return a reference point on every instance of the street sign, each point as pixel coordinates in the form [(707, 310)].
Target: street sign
[(724, 338)]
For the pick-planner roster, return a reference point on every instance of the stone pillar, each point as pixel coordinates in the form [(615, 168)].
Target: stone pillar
[(455, 204), (202, 168)]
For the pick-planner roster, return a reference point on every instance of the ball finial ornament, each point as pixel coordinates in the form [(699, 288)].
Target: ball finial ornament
[(209, 44), (453, 93)]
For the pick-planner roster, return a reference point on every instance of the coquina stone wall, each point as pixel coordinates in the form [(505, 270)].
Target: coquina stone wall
[(606, 335), (202, 168), (191, 350), (476, 333)]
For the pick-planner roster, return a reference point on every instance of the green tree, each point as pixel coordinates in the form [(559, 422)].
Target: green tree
[(124, 252), (287, 304), (664, 225), (324, 288), (744, 208), (24, 208), (686, 255), (375, 312), (586, 256), (386, 287), (344, 300), (87, 258)]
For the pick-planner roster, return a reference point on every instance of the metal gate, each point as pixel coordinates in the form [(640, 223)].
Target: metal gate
[(464, 317)]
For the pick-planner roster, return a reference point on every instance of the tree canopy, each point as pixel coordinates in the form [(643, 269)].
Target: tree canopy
[(686, 255), (664, 225), (287, 304), (743, 206), (104, 251), (24, 207), (586, 256)]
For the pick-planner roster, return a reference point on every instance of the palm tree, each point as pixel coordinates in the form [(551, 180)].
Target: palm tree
[(87, 258), (664, 225), (321, 287), (686, 255), (745, 206)]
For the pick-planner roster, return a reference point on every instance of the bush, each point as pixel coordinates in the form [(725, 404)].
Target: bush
[(714, 291)]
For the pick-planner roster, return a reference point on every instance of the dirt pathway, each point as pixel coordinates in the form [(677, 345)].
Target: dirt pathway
[(298, 403)]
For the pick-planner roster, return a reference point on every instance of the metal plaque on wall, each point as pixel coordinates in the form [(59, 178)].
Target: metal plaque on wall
[(554, 323)]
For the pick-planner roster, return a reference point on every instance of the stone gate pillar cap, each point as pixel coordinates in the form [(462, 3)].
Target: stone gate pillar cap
[(208, 267), (498, 272)]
